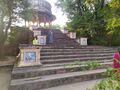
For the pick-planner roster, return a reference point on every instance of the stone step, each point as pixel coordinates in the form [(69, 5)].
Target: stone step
[(76, 86), (66, 44), (37, 83), (59, 46), (62, 39), (75, 63), (94, 47), (28, 73), (58, 64), (61, 60), (82, 49), (74, 52), (74, 55)]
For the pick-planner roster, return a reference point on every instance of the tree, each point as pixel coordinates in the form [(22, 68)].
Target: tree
[(9, 13), (26, 12), (113, 22), (87, 16), (6, 7)]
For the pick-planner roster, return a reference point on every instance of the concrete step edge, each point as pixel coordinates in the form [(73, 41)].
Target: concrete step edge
[(55, 80)]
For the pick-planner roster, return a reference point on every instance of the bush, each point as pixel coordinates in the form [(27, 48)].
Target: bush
[(113, 37), (20, 35), (98, 41), (112, 82)]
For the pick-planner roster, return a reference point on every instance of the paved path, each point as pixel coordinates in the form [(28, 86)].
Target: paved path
[(8, 61), (75, 86)]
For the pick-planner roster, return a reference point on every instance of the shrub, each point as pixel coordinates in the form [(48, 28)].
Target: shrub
[(89, 65), (20, 35), (110, 83), (115, 38)]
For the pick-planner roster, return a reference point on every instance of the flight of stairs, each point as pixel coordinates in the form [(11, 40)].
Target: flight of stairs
[(60, 40), (62, 64)]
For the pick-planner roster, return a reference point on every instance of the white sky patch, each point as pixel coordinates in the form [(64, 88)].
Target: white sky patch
[(60, 18)]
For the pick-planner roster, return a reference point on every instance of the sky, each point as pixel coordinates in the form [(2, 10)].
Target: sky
[(60, 18)]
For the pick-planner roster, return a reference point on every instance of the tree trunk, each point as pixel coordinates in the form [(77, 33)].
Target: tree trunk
[(102, 4), (8, 27), (1, 31), (10, 12), (79, 2), (25, 23)]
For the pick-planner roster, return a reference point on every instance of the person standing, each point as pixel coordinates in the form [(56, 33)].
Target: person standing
[(116, 61), (50, 37)]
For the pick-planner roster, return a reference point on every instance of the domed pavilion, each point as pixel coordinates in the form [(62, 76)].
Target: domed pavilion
[(42, 11)]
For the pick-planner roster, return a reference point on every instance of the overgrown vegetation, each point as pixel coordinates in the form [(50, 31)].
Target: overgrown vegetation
[(112, 82), (88, 65), (99, 20), (20, 35)]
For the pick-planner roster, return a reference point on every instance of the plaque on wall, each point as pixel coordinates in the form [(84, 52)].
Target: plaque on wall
[(29, 56)]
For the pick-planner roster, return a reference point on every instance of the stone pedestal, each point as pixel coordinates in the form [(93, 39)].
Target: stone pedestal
[(83, 41), (29, 56), (42, 40), (72, 35)]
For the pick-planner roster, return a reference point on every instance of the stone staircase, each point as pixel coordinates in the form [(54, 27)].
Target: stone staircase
[(60, 39), (62, 65), (56, 70)]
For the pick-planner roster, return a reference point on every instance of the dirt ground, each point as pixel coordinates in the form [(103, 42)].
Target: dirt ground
[(5, 77)]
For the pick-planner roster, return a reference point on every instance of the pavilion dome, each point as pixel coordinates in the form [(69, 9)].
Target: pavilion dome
[(42, 8)]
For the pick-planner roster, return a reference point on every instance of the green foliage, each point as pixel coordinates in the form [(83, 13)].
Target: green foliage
[(78, 63), (113, 37), (113, 74), (88, 65), (10, 10), (19, 35), (98, 41), (93, 19), (113, 23), (107, 84), (26, 12), (112, 82), (6, 11)]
